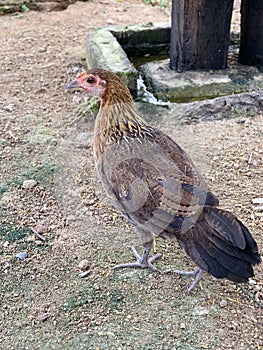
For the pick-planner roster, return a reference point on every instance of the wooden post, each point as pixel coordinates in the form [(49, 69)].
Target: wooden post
[(200, 34), (251, 43)]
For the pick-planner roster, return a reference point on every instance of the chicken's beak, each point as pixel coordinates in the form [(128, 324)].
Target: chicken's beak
[(73, 84)]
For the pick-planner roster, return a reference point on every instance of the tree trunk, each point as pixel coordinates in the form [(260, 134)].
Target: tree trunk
[(251, 44), (200, 34)]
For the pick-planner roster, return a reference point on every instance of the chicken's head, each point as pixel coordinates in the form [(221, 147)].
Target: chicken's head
[(89, 82)]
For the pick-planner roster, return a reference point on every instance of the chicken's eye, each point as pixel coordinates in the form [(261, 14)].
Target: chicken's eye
[(90, 80)]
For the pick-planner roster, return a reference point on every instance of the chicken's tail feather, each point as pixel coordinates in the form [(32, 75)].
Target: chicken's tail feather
[(221, 245)]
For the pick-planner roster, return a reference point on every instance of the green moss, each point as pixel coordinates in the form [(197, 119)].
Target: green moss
[(112, 299), (3, 189), (12, 234), (42, 174)]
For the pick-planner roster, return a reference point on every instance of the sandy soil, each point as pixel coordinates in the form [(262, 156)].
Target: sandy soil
[(45, 304)]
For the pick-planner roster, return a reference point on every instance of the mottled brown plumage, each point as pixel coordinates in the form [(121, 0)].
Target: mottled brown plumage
[(154, 183)]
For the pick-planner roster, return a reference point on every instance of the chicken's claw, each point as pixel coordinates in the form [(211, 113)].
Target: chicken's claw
[(142, 261), (197, 273)]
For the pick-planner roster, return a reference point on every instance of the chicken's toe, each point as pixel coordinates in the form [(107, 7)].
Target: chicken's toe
[(197, 273), (142, 261)]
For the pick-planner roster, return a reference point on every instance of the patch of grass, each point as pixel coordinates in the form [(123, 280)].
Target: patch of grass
[(112, 299), (25, 8), (42, 174), (40, 135), (239, 113), (161, 3), (82, 297), (115, 299), (11, 234), (3, 189)]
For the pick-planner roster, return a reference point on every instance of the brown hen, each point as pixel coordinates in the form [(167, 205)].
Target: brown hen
[(156, 186)]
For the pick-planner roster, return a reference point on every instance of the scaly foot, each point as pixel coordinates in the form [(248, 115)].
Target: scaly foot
[(197, 273), (142, 261)]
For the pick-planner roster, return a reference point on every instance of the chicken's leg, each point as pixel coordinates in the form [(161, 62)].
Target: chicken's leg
[(142, 260), (197, 273)]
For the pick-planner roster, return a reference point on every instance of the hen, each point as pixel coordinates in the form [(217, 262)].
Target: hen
[(156, 186)]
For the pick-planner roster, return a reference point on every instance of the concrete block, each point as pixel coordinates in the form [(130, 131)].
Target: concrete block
[(168, 85)]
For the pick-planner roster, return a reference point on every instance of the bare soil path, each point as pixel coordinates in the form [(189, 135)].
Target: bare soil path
[(44, 303)]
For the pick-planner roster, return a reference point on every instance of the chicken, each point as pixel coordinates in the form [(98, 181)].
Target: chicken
[(156, 186)]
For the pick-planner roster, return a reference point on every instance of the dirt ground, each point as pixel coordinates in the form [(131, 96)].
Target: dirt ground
[(45, 302)]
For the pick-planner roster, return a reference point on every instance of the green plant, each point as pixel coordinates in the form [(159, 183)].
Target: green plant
[(161, 3), (25, 8), (41, 173), (12, 234)]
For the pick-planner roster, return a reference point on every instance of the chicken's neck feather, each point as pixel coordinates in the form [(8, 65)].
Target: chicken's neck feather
[(118, 119)]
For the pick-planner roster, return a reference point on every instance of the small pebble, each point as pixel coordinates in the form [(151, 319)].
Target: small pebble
[(43, 318), (96, 286), (44, 209), (110, 21), (21, 256), (42, 49), (257, 200), (182, 325), (54, 142), (223, 303), (77, 99), (30, 239), (9, 108), (83, 265), (84, 273), (249, 173), (6, 199), (252, 282), (71, 218), (39, 228), (28, 184), (259, 208), (200, 311), (76, 70)]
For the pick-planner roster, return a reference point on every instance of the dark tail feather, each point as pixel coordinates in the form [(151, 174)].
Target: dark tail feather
[(222, 246)]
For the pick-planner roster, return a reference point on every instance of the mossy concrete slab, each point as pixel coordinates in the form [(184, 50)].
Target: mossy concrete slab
[(143, 39), (224, 107), (111, 47), (168, 85)]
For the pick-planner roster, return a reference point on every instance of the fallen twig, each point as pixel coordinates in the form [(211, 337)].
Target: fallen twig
[(251, 296), (42, 238)]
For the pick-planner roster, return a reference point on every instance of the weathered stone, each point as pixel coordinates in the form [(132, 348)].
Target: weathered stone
[(169, 85), (143, 39), (52, 6), (223, 303), (257, 200), (10, 6), (21, 255), (83, 265), (29, 184), (214, 109)]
